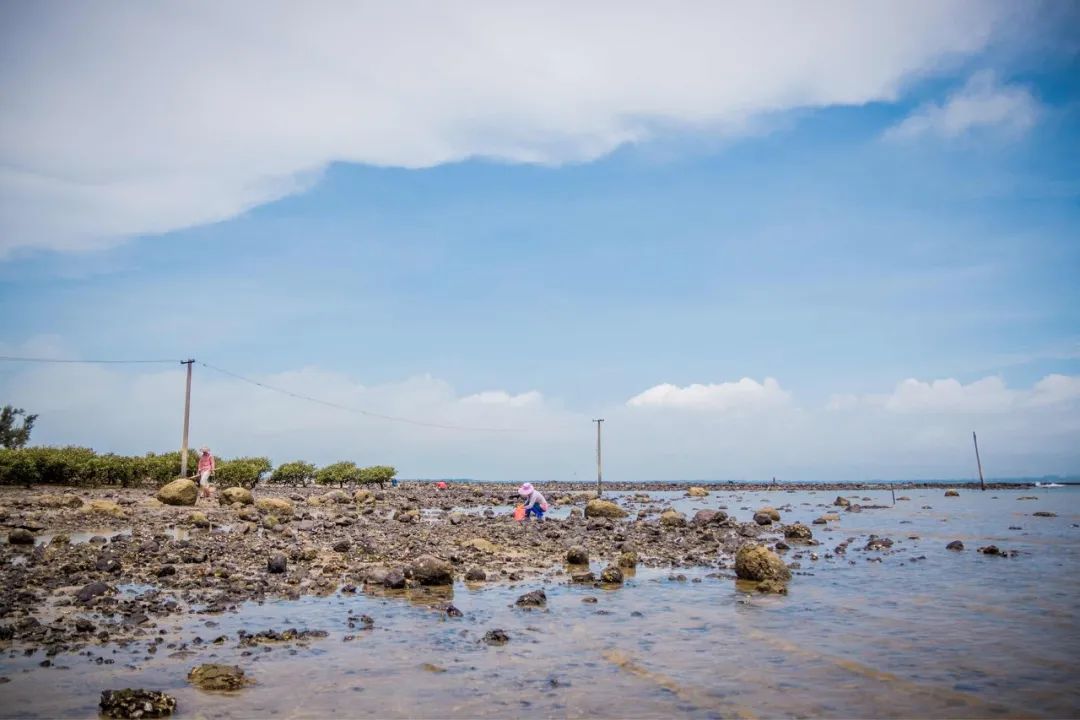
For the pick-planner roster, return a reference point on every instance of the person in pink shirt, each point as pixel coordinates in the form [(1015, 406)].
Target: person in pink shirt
[(206, 469)]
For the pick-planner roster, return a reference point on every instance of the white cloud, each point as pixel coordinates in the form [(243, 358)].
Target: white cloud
[(130, 118), (981, 104), (920, 430), (742, 395)]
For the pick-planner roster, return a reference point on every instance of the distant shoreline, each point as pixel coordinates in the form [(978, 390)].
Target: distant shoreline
[(752, 485)]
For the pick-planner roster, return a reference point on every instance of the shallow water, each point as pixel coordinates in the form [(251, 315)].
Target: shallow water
[(925, 632)]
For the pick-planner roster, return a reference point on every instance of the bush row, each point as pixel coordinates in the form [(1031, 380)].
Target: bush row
[(80, 466)]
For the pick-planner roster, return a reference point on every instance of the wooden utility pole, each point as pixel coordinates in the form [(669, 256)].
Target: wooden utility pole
[(599, 463), (975, 440), (187, 417)]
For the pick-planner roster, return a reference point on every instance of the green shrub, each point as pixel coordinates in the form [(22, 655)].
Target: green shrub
[(377, 474), (293, 473), (17, 468), (338, 474), (241, 472)]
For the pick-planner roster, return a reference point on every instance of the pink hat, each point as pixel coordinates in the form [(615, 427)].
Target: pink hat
[(525, 490)]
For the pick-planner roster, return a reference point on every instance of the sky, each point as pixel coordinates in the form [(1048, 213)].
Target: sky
[(812, 241)]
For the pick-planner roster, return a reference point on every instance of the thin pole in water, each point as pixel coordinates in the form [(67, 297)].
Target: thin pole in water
[(599, 464), (982, 483), (187, 417)]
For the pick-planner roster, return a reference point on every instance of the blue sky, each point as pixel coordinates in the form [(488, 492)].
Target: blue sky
[(838, 247)]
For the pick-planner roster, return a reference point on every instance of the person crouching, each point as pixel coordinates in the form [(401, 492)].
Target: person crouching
[(535, 504)]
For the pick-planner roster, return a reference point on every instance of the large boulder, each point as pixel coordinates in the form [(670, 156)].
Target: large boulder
[(841, 501), (773, 514), (757, 562), (67, 500), (799, 532), (179, 492), (276, 506), (430, 570), (107, 507), (20, 536), (604, 509), (709, 517), (611, 575), (762, 518), (577, 555), (672, 518), (697, 492), (236, 495), (211, 676)]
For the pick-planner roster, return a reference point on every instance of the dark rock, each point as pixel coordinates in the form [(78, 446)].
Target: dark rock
[(130, 703), (577, 555), (628, 559), (1044, 513), (955, 545), (84, 626), (91, 591), (582, 577), (709, 517), (475, 574), (496, 637), (878, 543), (452, 611), (20, 536), (841, 501), (536, 598), (762, 518), (165, 570), (394, 580), (277, 563), (342, 546), (799, 532), (772, 586), (108, 563)]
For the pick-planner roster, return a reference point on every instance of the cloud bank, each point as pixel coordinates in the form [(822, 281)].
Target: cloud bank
[(123, 119), (735, 430)]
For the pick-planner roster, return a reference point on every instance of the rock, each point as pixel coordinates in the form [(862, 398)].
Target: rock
[(429, 570), (475, 574), (165, 570), (232, 495), (394, 579), (757, 562), (990, 550), (819, 521), (582, 577), (497, 636), (536, 598), (108, 563), (88, 592), (612, 575), (772, 586), (951, 493), (407, 515), (955, 545), (277, 563), (709, 517), (481, 544), (20, 536), (277, 506), (762, 518), (199, 519), (103, 506), (363, 497), (878, 543), (576, 513), (577, 555), (841, 501), (799, 532), (342, 546), (672, 518), (178, 492), (628, 559), (456, 518), (84, 626), (336, 496), (697, 492), (211, 676), (67, 500), (771, 512), (781, 545), (604, 509), (1044, 513), (131, 703)]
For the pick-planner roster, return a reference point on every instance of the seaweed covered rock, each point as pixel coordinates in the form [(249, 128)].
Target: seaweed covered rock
[(577, 555), (697, 492), (611, 575), (280, 507), (67, 500), (672, 518), (757, 562), (20, 536), (107, 507), (798, 532), (131, 703), (211, 676), (232, 495), (430, 570), (604, 509), (179, 492), (628, 559)]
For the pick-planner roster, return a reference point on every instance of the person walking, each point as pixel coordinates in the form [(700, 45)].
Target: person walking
[(206, 469)]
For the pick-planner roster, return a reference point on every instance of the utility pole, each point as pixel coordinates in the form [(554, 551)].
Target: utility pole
[(187, 417), (599, 465), (975, 440)]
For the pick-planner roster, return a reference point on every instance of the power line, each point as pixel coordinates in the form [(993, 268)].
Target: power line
[(366, 413), (12, 358)]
